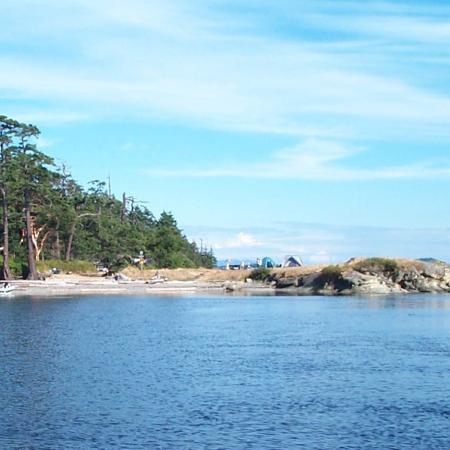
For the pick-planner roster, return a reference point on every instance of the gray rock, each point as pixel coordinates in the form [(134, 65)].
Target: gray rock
[(425, 277), (433, 271), (287, 282)]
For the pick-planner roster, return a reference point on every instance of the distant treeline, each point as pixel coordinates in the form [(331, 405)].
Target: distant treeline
[(46, 214)]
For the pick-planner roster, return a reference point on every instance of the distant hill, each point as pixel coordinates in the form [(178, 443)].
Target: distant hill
[(433, 261)]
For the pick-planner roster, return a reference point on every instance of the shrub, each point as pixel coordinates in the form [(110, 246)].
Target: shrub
[(386, 266), (328, 275), (119, 264), (260, 274), (332, 277), (75, 266), (18, 268), (331, 273)]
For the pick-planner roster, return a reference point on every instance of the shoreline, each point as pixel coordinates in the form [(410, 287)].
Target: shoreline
[(89, 286), (24, 288), (367, 277)]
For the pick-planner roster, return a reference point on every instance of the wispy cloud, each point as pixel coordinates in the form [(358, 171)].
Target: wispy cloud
[(49, 116), (182, 62), (340, 83), (389, 25), (322, 243), (314, 160), (44, 143), (241, 240)]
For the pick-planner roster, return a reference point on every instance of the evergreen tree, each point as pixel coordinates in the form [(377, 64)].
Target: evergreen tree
[(34, 183), (46, 214), (8, 131)]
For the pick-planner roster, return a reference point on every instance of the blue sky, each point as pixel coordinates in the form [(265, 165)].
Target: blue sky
[(318, 128)]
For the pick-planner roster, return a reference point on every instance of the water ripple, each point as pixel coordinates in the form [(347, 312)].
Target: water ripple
[(224, 373)]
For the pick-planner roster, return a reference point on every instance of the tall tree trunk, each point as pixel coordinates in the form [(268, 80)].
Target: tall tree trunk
[(72, 233), (70, 240), (57, 241), (39, 246), (123, 208), (5, 273), (32, 271)]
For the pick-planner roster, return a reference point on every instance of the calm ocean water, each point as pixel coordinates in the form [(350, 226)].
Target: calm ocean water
[(225, 373)]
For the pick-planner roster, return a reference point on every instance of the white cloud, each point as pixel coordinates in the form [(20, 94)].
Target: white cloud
[(52, 116), (239, 241), (320, 257), (44, 143), (315, 160), (403, 28), (327, 244), (177, 61)]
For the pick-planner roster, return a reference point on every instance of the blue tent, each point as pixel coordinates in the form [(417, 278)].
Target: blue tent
[(268, 263)]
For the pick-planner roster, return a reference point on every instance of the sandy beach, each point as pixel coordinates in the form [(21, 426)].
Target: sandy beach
[(71, 284), (85, 285)]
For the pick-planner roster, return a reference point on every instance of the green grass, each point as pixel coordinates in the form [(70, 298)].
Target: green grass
[(75, 266)]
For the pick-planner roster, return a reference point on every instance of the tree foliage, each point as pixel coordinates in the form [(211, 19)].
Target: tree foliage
[(47, 215)]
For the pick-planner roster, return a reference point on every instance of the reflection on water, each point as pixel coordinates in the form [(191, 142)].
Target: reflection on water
[(225, 372)]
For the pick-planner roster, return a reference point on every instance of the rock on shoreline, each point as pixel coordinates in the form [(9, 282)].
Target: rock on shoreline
[(370, 276)]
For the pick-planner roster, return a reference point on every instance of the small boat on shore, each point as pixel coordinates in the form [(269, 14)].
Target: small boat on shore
[(6, 288), (156, 281)]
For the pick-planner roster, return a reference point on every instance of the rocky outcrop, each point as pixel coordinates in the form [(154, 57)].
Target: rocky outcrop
[(373, 276), (428, 278)]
